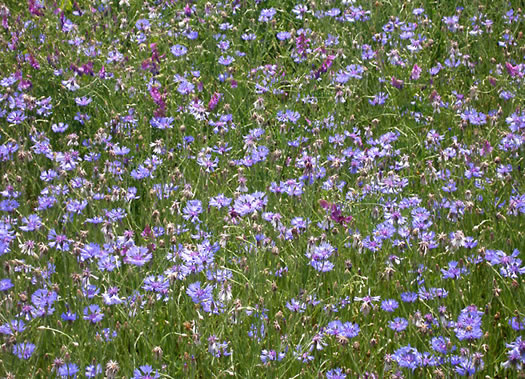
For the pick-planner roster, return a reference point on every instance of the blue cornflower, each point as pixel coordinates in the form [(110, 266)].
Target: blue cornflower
[(408, 357), (226, 61), (220, 201), (185, 87), (61, 127), (43, 299), (295, 306), (179, 50), (468, 325), (23, 350), (93, 313), (138, 256), (516, 324), (409, 297), (453, 272), (16, 117), (12, 327), (271, 355), (335, 373), (199, 294), (192, 211), (158, 284), (68, 316), (267, 14), (283, 36), (441, 344), (161, 123), (378, 99), (389, 305), (398, 324), (6, 284), (83, 101), (349, 330), (68, 370), (58, 241), (92, 371), (467, 365), (516, 354), (216, 348), (142, 24)]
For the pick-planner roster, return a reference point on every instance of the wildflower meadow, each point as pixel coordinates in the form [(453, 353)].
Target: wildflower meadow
[(262, 188)]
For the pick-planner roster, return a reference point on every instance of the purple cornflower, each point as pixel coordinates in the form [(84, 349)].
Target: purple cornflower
[(216, 97), (416, 72), (93, 313), (23, 350)]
